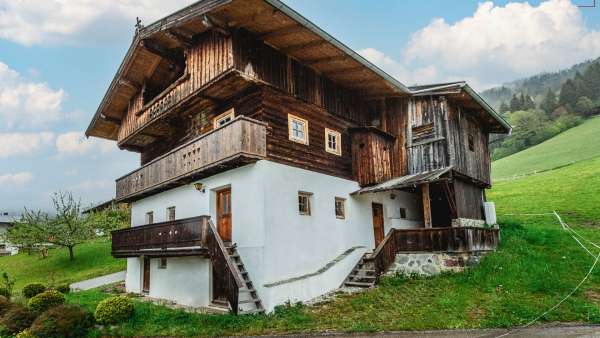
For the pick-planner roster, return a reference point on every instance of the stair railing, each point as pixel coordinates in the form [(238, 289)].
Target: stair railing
[(385, 254)]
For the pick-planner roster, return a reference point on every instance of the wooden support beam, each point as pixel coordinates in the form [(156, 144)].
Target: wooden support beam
[(451, 199), (110, 119), (426, 205), (128, 83), (180, 39), (156, 49), (276, 33), (213, 23), (301, 46)]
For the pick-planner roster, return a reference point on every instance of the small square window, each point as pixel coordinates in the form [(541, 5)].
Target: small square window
[(403, 213), (162, 263), (304, 203), (298, 129), (333, 142), (471, 142), (170, 213), (224, 118), (149, 217), (340, 208)]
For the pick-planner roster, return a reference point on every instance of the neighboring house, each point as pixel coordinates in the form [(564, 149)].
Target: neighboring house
[(7, 220), (105, 205), (274, 160)]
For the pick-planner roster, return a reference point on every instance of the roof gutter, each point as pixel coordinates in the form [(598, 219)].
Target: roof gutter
[(315, 29)]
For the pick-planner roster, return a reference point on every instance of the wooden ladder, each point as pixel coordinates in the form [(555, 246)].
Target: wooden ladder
[(248, 295)]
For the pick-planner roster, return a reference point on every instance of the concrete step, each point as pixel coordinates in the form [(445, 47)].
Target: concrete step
[(359, 284), (362, 277), (250, 301)]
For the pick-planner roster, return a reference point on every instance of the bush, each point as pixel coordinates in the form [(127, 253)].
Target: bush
[(114, 310), (17, 319), (5, 305), (64, 289), (63, 321), (25, 334), (5, 292), (46, 300), (33, 289)]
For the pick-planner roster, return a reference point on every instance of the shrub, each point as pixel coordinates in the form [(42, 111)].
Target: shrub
[(5, 305), (25, 334), (63, 321), (4, 292), (17, 319), (114, 310), (46, 300), (64, 289), (33, 289)]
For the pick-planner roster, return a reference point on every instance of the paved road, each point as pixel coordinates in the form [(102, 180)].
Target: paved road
[(566, 331), (98, 281)]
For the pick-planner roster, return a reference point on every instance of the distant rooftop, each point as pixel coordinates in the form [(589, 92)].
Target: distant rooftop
[(9, 216)]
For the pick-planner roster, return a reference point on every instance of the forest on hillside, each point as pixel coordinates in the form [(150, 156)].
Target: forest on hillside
[(537, 118)]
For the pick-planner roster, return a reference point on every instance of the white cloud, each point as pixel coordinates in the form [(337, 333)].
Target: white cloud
[(398, 70), (75, 143), (12, 144), (15, 179), (93, 185), (500, 43), (31, 22), (25, 104)]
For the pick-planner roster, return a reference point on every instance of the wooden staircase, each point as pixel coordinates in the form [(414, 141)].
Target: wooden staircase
[(363, 275), (249, 302)]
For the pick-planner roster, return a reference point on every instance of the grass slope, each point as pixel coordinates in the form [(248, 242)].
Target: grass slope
[(92, 259), (573, 145), (536, 266)]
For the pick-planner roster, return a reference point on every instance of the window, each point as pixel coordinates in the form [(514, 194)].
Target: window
[(403, 213), (471, 142), (340, 208), (304, 203), (162, 263), (298, 129), (170, 213), (149, 217), (224, 118), (333, 142)]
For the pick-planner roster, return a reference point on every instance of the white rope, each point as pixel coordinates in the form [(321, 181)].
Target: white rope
[(566, 227)]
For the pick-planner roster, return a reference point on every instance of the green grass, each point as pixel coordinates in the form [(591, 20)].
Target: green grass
[(573, 145), (92, 259), (536, 266)]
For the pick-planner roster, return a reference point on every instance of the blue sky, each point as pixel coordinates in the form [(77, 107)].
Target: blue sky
[(58, 57)]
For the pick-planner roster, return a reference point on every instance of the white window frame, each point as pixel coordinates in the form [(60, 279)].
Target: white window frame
[(308, 196), (167, 216), (291, 120), (229, 114), (338, 142), (343, 201)]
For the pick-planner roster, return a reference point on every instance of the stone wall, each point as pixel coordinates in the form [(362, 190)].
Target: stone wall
[(430, 264), (466, 222)]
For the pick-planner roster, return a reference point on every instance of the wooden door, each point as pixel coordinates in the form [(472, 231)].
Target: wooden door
[(378, 223), (224, 214), (146, 278)]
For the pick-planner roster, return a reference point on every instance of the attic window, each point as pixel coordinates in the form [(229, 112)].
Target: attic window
[(224, 118), (471, 142)]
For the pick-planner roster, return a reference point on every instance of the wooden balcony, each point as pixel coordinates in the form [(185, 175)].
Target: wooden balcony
[(238, 143)]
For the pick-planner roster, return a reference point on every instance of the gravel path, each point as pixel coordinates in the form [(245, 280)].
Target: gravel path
[(98, 281)]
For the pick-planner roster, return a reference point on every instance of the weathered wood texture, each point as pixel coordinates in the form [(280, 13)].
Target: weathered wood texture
[(469, 199), (242, 140), (454, 240), (192, 236), (394, 122), (371, 156), (426, 140), (426, 203), (275, 109)]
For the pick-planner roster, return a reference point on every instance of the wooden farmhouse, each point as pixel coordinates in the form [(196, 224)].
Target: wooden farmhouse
[(277, 164)]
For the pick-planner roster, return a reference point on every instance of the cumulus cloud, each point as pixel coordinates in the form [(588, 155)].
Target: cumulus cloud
[(15, 179), (31, 22), (13, 144), (505, 42), (24, 103), (75, 143)]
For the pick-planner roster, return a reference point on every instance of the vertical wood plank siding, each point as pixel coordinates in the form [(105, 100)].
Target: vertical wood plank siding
[(395, 123), (469, 200), (241, 137), (427, 147), (371, 157)]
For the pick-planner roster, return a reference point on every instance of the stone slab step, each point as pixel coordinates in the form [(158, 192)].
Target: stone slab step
[(359, 284)]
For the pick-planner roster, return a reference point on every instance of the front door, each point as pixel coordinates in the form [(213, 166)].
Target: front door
[(146, 278), (378, 223), (224, 214)]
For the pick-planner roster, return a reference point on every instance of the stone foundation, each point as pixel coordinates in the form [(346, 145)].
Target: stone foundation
[(430, 264), (467, 222)]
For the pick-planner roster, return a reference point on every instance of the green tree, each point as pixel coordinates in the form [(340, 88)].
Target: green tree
[(591, 78), (568, 94), (28, 232), (549, 103), (584, 106), (109, 219), (504, 108), (515, 103)]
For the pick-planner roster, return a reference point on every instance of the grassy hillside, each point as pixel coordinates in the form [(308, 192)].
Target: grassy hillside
[(536, 266), (575, 144), (91, 259)]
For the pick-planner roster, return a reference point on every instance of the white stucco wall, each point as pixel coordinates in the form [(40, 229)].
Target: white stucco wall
[(275, 242), (186, 280)]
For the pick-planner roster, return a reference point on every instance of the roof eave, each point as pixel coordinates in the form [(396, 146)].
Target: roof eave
[(488, 108)]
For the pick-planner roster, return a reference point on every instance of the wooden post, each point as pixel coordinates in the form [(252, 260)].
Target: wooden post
[(426, 205)]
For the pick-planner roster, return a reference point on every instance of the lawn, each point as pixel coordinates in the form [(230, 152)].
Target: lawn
[(536, 266), (573, 145), (92, 259)]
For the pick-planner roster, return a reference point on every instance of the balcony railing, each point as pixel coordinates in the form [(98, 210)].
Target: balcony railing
[(240, 142)]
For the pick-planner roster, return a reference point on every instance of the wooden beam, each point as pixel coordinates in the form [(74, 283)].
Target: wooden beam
[(156, 49), (178, 38), (451, 199), (426, 205), (301, 46), (110, 119), (276, 33), (128, 83), (210, 22)]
